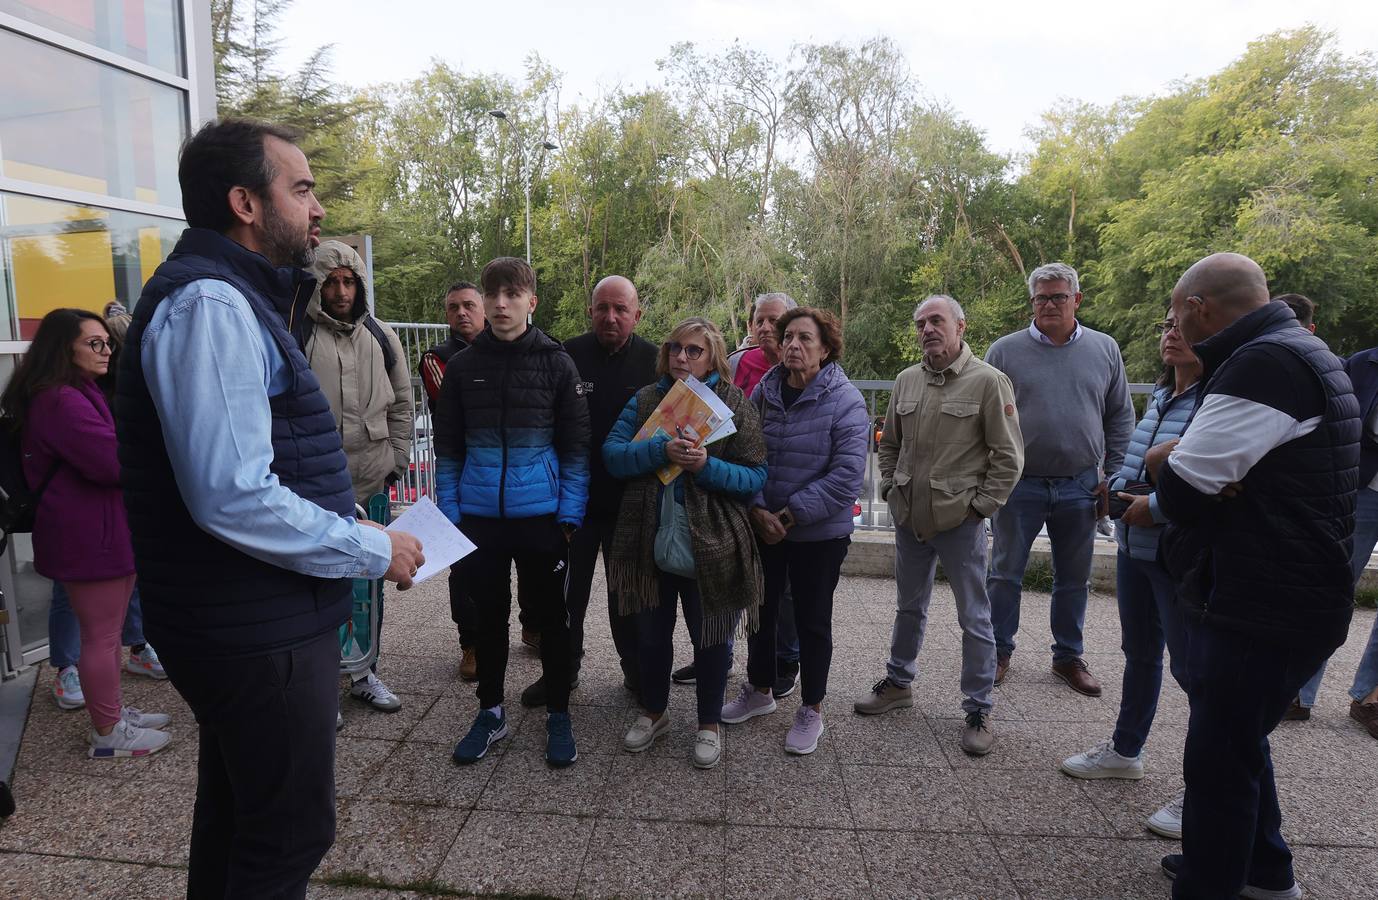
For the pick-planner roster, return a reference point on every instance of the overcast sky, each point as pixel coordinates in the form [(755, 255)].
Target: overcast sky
[(998, 63)]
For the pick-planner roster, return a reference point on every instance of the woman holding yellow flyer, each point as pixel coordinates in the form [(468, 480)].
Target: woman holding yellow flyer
[(691, 451)]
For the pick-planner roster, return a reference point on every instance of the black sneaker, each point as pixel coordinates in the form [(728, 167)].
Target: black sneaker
[(787, 676), (535, 695), (1172, 864), (684, 676)]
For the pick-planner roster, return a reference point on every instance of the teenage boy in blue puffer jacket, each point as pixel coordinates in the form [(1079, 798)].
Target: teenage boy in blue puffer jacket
[(511, 437)]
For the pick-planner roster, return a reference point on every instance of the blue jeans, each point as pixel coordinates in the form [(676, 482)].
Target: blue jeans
[(1365, 537), (1068, 507), (1149, 618), (1239, 686), (655, 650), (64, 633)]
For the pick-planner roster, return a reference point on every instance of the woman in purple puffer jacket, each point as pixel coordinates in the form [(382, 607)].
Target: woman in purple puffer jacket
[(816, 430), (80, 534)]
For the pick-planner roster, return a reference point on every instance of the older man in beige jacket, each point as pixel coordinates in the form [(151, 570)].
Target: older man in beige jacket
[(364, 374), (950, 455)]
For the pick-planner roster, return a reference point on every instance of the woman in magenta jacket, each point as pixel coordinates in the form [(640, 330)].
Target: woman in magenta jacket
[(80, 536)]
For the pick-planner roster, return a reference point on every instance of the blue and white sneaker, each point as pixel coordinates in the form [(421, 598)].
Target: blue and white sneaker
[(146, 663), (488, 729), (67, 689), (559, 740)]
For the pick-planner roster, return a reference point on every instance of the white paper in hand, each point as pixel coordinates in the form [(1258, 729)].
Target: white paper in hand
[(441, 542)]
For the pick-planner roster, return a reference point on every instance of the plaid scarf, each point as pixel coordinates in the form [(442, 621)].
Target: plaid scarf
[(726, 562)]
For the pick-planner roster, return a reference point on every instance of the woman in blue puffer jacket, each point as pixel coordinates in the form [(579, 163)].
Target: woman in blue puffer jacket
[(1149, 616), (816, 431)]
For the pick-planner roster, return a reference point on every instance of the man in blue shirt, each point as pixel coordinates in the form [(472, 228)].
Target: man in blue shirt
[(241, 510)]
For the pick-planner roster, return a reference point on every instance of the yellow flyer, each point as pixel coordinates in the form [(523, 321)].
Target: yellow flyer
[(681, 413)]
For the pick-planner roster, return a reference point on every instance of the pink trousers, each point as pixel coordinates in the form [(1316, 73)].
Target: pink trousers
[(100, 607)]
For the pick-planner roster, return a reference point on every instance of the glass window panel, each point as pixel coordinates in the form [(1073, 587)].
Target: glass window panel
[(146, 31), (55, 254), (87, 126)]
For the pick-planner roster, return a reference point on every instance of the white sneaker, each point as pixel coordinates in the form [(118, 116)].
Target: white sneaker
[(372, 691), (140, 719), (146, 663), (67, 689), (339, 720), (126, 740), (1101, 761), (707, 748), (1167, 822), (644, 732)]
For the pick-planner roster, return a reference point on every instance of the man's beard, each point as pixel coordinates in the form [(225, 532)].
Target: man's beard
[(281, 244)]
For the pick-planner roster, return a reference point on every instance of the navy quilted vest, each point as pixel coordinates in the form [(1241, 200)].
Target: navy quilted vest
[(200, 595)]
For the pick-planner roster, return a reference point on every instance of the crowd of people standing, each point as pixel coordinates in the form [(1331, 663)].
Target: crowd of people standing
[(259, 402)]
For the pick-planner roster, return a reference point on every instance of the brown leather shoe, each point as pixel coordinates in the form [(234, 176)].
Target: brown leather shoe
[(1366, 714), (1296, 712), (468, 665), (1002, 667), (1078, 677), (532, 639)]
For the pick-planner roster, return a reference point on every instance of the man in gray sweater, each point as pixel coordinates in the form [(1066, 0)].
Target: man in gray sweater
[(1076, 417)]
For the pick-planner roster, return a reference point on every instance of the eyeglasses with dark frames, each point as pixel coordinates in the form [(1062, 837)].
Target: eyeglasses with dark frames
[(693, 351), (1045, 299), (99, 346), (1166, 326)]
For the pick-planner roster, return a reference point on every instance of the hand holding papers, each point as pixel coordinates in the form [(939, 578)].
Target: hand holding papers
[(444, 544), (690, 410)]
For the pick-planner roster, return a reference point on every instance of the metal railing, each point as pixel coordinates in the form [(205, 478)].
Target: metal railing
[(871, 513)]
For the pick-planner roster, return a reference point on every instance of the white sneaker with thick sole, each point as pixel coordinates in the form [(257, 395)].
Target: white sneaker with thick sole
[(146, 663), (707, 748), (126, 740), (371, 690), (644, 732), (67, 689), (1167, 822), (140, 719), (1101, 761)]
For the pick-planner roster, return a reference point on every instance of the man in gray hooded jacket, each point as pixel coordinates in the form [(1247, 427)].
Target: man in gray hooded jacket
[(363, 373)]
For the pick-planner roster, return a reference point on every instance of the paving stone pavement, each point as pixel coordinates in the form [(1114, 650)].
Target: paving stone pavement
[(887, 807)]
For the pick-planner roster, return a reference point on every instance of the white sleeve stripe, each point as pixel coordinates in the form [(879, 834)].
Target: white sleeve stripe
[(1227, 437)]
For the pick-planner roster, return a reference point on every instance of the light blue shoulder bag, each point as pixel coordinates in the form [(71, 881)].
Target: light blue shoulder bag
[(674, 553)]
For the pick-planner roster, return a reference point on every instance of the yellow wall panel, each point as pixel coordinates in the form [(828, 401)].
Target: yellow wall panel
[(55, 270), (150, 253)]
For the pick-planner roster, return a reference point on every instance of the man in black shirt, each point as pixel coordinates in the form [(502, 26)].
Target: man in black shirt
[(613, 365)]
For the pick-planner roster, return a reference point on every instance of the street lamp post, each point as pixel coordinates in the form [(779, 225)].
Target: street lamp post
[(526, 166)]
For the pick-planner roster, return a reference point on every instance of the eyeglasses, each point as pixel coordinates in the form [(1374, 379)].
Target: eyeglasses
[(101, 346), (693, 351), (1045, 299), (1165, 327)]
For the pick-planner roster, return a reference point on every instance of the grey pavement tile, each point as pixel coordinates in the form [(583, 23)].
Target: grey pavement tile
[(597, 730), (30, 875), (904, 799), (794, 862), (1053, 702), (1033, 803), (1335, 873), (1328, 811), (358, 761), (1126, 804), (1090, 869), (423, 675), (56, 741), (176, 763), (1019, 744), (1163, 751), (317, 891), (60, 813), (901, 737), (642, 786), (363, 721), (425, 774), (153, 823), (948, 866), (405, 640), (653, 859), (600, 682), (523, 782), (785, 791), (393, 842), (1308, 750), (500, 852)]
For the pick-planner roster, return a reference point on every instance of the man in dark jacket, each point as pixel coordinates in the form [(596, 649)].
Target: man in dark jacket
[(1259, 494), (240, 506), (613, 365), (512, 445)]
